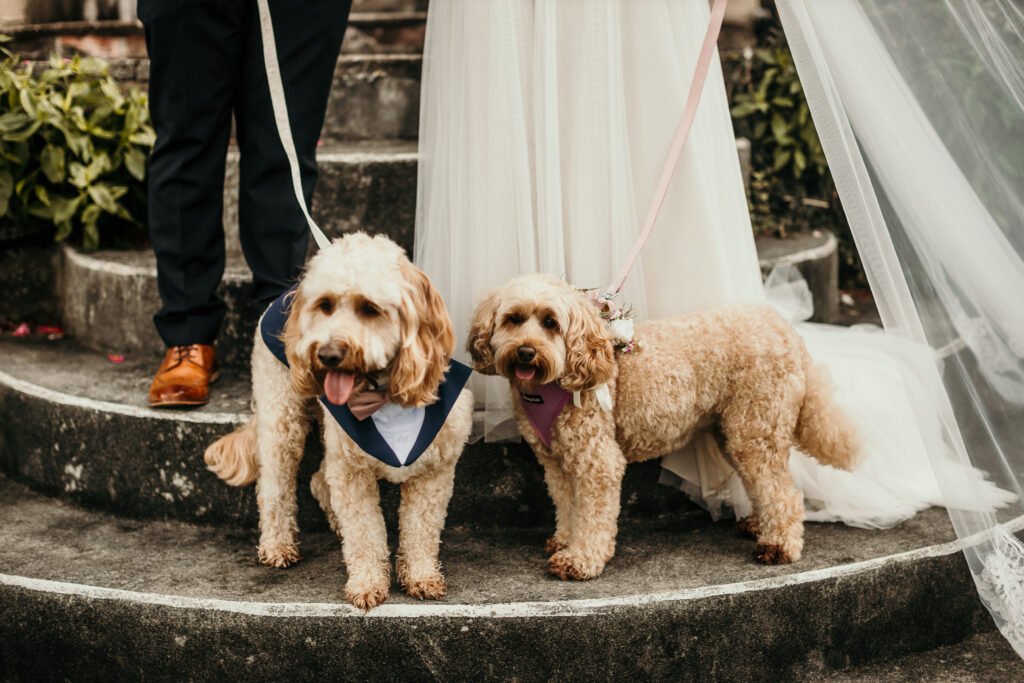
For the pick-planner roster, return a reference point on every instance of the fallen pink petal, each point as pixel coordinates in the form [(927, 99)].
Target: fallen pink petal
[(22, 330), (115, 358)]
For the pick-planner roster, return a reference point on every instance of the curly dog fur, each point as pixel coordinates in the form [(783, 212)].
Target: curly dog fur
[(362, 296), (741, 372)]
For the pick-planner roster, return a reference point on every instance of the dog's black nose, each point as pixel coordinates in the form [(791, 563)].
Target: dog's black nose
[(526, 353), (330, 356)]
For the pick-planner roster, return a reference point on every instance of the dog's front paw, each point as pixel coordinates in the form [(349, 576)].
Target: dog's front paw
[(554, 544), (427, 588), (767, 553), (279, 556), (366, 596), (568, 565)]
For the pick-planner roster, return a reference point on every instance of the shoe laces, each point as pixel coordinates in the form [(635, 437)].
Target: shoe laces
[(183, 353)]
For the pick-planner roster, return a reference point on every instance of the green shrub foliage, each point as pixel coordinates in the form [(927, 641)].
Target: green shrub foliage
[(73, 150), (791, 189)]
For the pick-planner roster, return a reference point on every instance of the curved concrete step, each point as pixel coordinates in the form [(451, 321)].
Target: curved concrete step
[(362, 186), (386, 31), (389, 5), (982, 658), (367, 186), (379, 30), (76, 425), (373, 96), (108, 298), (86, 592)]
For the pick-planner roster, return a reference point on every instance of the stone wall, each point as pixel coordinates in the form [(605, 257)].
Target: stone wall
[(13, 12)]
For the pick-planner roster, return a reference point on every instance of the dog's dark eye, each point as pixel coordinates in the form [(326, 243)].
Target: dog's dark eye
[(326, 306), (369, 309), (514, 319), (550, 323)]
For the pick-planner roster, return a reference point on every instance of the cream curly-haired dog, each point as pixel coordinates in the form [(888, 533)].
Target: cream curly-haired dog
[(362, 315), (742, 372)]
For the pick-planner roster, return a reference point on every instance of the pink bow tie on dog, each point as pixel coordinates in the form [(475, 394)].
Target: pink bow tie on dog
[(365, 403), (340, 389)]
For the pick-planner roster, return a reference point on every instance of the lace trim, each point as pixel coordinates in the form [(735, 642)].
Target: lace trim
[(1001, 584), (998, 359)]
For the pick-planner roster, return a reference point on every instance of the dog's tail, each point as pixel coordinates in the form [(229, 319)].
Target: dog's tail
[(824, 431), (233, 457)]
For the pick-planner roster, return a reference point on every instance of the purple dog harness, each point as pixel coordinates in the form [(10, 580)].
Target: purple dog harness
[(544, 407)]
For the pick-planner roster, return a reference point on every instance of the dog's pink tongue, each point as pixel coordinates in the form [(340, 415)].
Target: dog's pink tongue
[(338, 386), (525, 372)]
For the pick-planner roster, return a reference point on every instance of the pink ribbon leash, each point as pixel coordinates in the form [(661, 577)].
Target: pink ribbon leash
[(700, 75)]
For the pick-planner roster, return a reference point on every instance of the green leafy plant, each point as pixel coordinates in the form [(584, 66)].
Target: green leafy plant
[(73, 149), (769, 105), (791, 189)]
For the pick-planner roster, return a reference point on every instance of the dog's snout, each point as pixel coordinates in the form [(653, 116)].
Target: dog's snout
[(330, 355), (525, 354)]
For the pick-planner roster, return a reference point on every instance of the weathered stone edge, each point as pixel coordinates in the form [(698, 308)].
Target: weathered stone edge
[(822, 620), (140, 462)]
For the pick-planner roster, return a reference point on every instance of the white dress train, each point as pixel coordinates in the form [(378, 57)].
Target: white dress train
[(544, 126)]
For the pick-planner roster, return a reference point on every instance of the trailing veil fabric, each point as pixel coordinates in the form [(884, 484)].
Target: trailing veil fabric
[(920, 108)]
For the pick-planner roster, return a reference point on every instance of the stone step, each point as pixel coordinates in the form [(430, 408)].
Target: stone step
[(370, 31), (76, 425), (982, 658), (389, 5), (98, 288), (86, 592), (362, 186), (386, 32), (816, 255), (368, 185), (373, 96)]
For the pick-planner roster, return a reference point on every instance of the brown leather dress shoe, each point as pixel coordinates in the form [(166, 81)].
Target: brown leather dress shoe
[(184, 377)]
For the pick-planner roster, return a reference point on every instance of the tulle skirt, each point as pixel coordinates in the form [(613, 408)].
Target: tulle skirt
[(544, 126)]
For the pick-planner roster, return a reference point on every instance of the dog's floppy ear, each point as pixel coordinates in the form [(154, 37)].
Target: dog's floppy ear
[(589, 356), (303, 381), (479, 342), (428, 340)]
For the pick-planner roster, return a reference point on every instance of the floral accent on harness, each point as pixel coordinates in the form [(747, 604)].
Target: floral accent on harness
[(618, 318)]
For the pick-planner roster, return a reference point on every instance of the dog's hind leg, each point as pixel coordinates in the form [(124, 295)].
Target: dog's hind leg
[(420, 521), (779, 507), (762, 462), (748, 527), (282, 423), (758, 429)]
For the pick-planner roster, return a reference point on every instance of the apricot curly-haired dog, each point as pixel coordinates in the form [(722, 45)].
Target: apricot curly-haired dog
[(741, 372), (362, 313)]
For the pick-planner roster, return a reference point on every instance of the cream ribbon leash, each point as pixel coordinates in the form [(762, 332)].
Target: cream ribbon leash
[(284, 126)]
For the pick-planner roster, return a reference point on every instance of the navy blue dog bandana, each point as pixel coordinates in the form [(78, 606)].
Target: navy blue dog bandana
[(364, 432)]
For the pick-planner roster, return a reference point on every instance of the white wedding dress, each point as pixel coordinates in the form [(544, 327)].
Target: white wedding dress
[(544, 126)]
